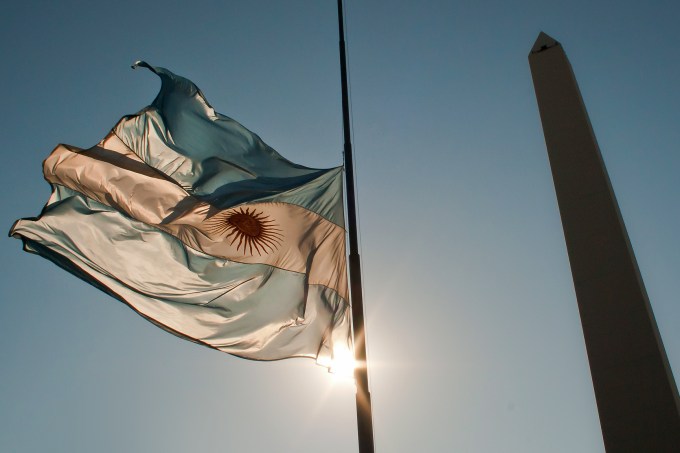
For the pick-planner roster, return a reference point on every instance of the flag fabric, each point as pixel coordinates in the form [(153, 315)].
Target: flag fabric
[(203, 229)]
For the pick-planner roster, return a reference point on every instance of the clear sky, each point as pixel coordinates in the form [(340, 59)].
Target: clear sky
[(474, 338)]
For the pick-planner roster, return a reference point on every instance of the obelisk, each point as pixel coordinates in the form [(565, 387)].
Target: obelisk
[(637, 398)]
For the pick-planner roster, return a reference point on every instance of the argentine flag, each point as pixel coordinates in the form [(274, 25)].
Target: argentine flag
[(201, 228)]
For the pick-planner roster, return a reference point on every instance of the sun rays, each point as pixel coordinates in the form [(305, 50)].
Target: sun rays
[(254, 231)]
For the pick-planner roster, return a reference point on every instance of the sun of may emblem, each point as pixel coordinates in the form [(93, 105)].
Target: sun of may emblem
[(248, 229)]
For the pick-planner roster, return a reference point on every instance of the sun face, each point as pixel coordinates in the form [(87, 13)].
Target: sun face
[(248, 229)]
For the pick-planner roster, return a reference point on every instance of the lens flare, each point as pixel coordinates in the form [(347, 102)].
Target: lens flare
[(343, 363)]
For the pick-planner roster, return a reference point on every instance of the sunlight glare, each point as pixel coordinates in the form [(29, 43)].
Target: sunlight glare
[(343, 364)]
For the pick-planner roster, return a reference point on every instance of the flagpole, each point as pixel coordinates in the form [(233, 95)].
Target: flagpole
[(363, 396)]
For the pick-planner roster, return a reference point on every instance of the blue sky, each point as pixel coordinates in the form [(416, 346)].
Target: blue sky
[(474, 339)]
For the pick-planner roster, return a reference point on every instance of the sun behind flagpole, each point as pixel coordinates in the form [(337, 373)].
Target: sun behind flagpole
[(343, 364), (360, 365)]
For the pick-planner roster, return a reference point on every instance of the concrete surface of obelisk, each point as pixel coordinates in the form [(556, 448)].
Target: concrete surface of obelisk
[(636, 395)]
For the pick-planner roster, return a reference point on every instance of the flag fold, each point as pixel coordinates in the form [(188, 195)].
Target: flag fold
[(203, 229)]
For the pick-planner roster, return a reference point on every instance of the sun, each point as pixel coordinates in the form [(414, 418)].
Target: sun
[(253, 230), (343, 363)]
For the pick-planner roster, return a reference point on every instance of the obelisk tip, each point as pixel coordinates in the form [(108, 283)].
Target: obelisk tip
[(543, 42)]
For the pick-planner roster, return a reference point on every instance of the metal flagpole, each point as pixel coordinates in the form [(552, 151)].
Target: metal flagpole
[(363, 396)]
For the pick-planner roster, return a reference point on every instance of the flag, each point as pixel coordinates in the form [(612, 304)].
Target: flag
[(200, 227)]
